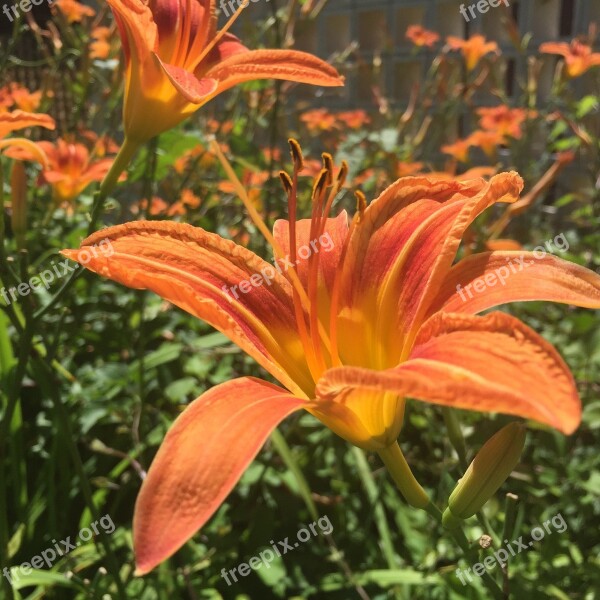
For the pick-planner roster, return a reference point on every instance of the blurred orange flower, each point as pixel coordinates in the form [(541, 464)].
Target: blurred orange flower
[(74, 11), (354, 119), (13, 121), (318, 119), (420, 36), (408, 168), (488, 141), (100, 47), (70, 168), (24, 99), (504, 120), (473, 49), (458, 149), (578, 57)]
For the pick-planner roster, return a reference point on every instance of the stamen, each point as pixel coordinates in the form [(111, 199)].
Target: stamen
[(297, 156), (299, 294), (361, 205), (286, 180), (328, 166), (318, 195)]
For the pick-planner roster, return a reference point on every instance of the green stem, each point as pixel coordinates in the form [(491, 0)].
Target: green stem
[(416, 496), (122, 160), (405, 481)]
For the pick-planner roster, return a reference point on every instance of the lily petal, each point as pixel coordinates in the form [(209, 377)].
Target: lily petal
[(399, 253), (194, 90), (201, 459), (210, 278), (515, 277), (450, 366), (18, 119), (330, 252), (289, 65)]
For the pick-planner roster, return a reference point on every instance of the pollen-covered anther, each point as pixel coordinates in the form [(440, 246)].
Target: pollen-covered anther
[(297, 156), (328, 166), (287, 183), (361, 204), (321, 182), (342, 175)]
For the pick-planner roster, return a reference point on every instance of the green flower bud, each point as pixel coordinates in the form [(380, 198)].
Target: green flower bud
[(488, 471)]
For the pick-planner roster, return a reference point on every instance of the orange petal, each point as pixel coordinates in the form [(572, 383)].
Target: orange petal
[(194, 90), (405, 243), (17, 119), (561, 48), (490, 279), (289, 65), (139, 34), (202, 457), (333, 241), (211, 278), (490, 364)]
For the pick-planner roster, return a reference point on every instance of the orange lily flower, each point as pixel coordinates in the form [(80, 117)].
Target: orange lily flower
[(100, 47), (318, 120), (420, 36), (578, 57), (73, 10), (15, 120), (504, 120), (356, 318), (70, 168), (458, 149), (488, 141), (473, 49), (176, 61)]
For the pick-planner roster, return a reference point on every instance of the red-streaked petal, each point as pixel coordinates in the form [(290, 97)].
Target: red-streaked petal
[(289, 65), (406, 240), (138, 31), (491, 364), (190, 267), (508, 276), (202, 457), (333, 241), (194, 90)]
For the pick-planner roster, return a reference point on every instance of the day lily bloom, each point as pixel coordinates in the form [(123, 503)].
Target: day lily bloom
[(420, 36), (15, 120), (70, 168), (504, 120), (473, 49), (176, 61), (73, 10), (458, 149), (578, 57), (357, 317)]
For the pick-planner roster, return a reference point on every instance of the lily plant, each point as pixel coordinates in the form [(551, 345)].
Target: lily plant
[(371, 317)]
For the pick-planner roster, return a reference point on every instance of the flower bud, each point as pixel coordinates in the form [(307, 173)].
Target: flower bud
[(488, 471)]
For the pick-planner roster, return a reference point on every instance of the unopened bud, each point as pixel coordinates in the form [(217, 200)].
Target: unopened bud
[(488, 471)]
